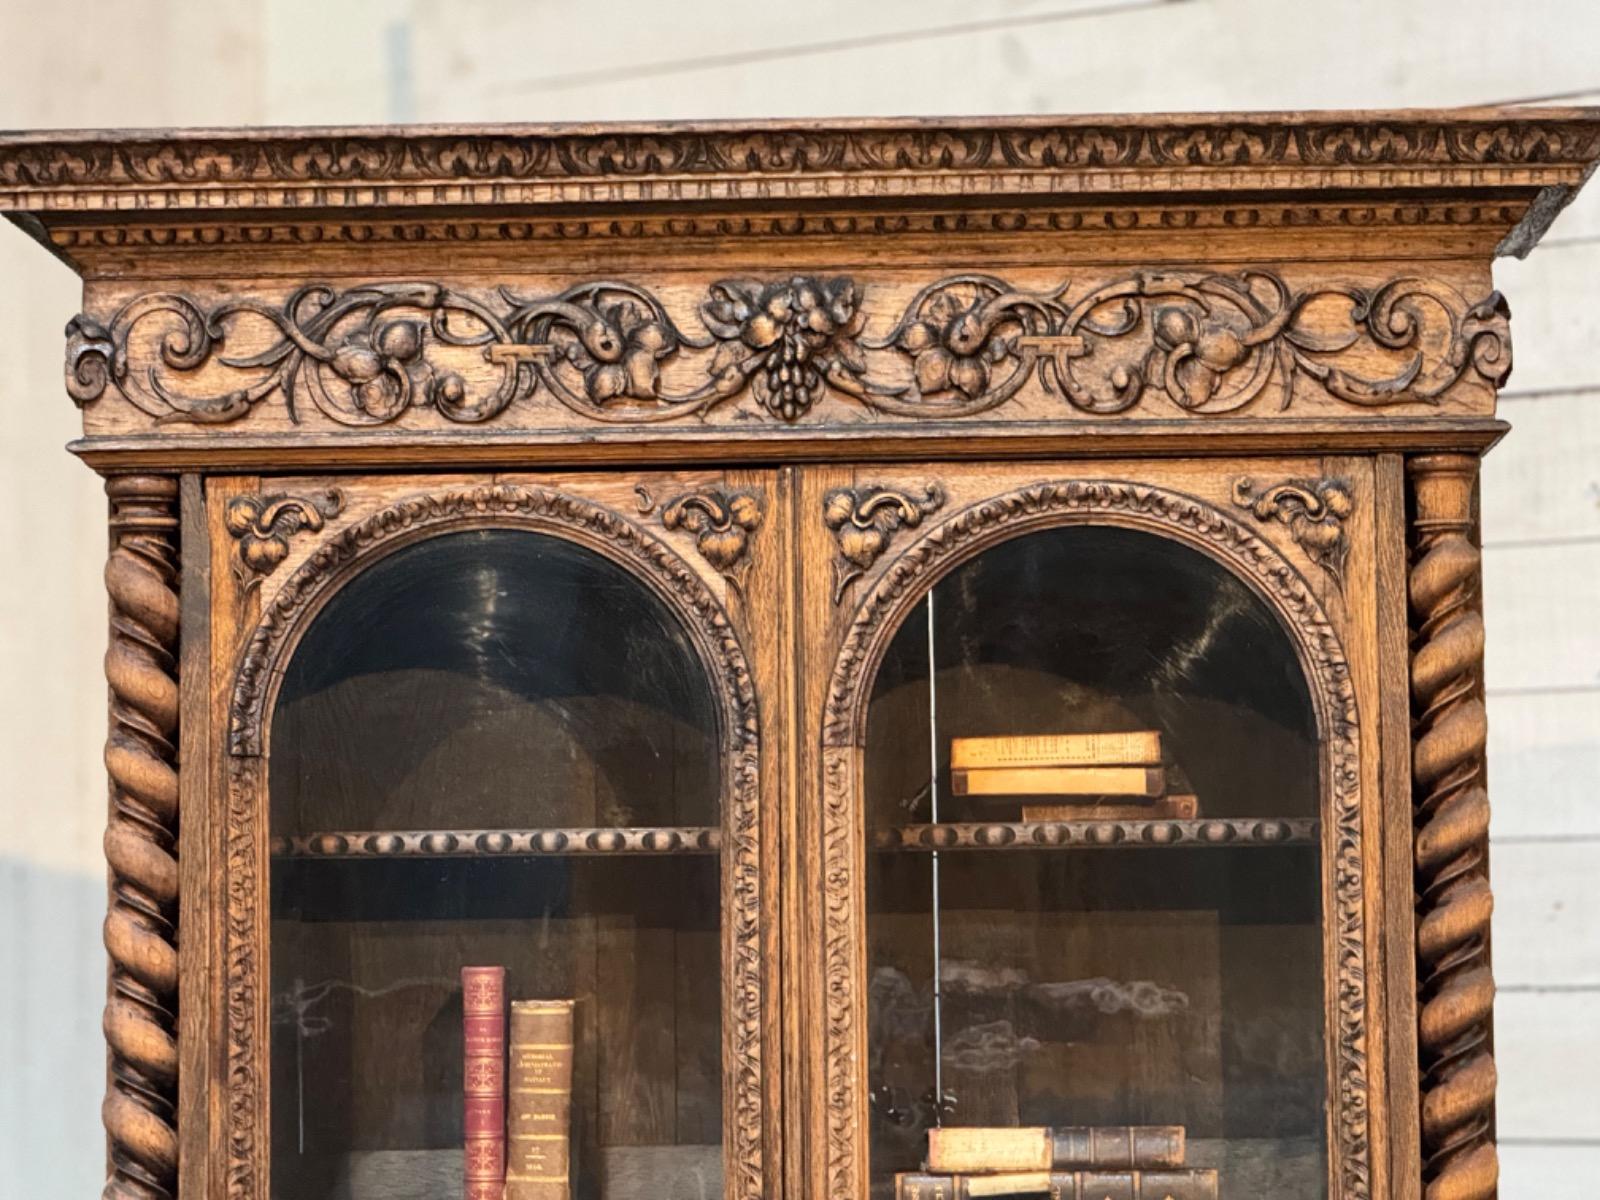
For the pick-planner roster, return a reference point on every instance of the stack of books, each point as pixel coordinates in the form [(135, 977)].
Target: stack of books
[(1081, 1162), (1111, 776), (518, 1139)]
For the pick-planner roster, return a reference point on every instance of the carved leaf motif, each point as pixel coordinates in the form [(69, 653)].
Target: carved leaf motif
[(1314, 510), (264, 525), (722, 525), (864, 520)]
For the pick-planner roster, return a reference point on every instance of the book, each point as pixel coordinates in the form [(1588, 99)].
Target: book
[(483, 1081), (1140, 747), (1060, 781), (957, 1150), (1174, 806), (539, 1156), (1192, 1184)]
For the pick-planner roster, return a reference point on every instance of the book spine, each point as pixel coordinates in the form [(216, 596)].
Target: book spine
[(1192, 1184), (960, 1149), (1141, 746), (1175, 807), (539, 1163), (483, 1081), (1059, 781), (1122, 1146)]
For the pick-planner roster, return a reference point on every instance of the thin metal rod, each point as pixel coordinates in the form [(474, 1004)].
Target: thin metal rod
[(933, 800)]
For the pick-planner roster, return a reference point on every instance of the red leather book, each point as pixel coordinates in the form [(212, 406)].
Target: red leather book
[(483, 1019)]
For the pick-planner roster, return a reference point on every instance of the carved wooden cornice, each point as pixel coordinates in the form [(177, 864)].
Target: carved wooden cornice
[(435, 166)]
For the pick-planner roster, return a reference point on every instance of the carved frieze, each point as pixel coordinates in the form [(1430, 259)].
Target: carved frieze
[(610, 351)]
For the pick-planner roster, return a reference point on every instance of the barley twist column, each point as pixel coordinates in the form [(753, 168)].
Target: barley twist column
[(1456, 988), (141, 840)]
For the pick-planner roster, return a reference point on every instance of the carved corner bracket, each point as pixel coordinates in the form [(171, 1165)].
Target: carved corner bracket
[(1314, 510), (1455, 1003), (264, 525), (722, 524), (864, 521), (1206, 343)]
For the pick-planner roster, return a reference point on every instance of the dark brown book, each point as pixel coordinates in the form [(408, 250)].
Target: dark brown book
[(539, 1157), (483, 1081), (958, 1149), (1192, 1184), (1171, 807)]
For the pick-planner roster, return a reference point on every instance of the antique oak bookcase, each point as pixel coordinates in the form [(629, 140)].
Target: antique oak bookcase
[(577, 549)]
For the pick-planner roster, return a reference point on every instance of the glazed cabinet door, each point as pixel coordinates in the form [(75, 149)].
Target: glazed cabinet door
[(513, 722), (1095, 836)]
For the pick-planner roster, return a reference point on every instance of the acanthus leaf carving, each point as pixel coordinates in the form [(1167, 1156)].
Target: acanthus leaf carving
[(1314, 510), (731, 159), (264, 525), (722, 523), (1206, 343), (865, 519)]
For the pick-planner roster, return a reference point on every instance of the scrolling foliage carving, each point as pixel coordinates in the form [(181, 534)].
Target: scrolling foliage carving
[(608, 533), (1203, 343), (899, 588)]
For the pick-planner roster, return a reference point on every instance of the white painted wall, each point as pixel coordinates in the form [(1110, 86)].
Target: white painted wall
[(143, 62)]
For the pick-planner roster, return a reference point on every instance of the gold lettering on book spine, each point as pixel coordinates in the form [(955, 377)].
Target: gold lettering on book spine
[(1456, 988), (141, 931)]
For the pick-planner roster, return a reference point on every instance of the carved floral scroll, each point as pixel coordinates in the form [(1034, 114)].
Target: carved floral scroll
[(610, 351)]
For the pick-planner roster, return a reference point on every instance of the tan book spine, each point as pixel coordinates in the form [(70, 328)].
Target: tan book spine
[(1141, 747), (539, 1150), (1166, 808), (980, 1150), (1060, 781), (957, 1150), (1191, 1184)]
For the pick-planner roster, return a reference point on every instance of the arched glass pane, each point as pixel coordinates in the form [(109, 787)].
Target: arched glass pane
[(460, 719), (1122, 929)]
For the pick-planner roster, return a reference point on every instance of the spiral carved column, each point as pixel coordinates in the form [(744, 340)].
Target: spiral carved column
[(141, 840), (1456, 989)]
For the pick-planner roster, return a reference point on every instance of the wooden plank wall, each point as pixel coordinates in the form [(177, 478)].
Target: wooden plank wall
[(260, 61)]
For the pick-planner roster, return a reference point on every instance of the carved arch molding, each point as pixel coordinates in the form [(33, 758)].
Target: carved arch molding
[(290, 613), (945, 546)]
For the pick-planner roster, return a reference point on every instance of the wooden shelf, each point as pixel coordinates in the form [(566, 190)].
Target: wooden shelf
[(1095, 835), (500, 843)]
